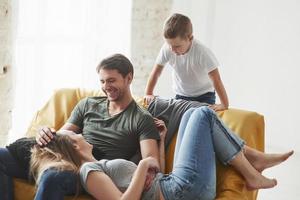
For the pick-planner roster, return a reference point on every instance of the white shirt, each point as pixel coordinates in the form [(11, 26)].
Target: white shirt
[(190, 70)]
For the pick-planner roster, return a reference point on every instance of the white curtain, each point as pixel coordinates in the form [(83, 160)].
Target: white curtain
[(59, 44)]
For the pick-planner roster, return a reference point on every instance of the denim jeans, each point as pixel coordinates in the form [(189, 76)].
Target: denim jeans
[(9, 168), (209, 97), (54, 185), (201, 138)]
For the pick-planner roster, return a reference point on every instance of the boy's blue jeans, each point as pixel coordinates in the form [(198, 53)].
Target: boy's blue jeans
[(209, 97), (54, 185), (201, 137)]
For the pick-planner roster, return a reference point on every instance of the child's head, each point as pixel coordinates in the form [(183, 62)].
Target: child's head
[(178, 32)]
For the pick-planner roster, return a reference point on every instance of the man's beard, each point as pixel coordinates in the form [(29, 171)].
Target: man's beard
[(118, 95)]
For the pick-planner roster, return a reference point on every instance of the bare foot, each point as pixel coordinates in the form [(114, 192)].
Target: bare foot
[(260, 182), (261, 161), (254, 179)]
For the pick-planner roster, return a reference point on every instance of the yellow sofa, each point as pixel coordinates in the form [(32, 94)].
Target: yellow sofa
[(230, 185)]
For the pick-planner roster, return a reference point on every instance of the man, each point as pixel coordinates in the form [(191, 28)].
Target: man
[(115, 124)]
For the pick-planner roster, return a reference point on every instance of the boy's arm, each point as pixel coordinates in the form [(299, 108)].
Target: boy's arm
[(154, 75), (220, 89)]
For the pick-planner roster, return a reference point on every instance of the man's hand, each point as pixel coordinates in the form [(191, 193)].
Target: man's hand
[(148, 99), (218, 107), (44, 136)]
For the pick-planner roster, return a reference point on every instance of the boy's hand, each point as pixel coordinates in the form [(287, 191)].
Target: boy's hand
[(218, 107), (148, 98), (44, 136)]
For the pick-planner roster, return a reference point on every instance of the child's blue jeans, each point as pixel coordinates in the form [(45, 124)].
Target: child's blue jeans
[(209, 97)]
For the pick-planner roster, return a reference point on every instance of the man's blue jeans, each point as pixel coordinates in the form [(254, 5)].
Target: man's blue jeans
[(201, 138), (9, 168), (54, 185)]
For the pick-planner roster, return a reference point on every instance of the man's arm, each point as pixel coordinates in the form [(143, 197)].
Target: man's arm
[(45, 134), (149, 148), (154, 75), (71, 127), (220, 89)]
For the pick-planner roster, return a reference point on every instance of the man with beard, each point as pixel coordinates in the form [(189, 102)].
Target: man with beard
[(113, 124)]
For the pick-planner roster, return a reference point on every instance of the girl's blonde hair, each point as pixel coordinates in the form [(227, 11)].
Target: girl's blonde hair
[(59, 154)]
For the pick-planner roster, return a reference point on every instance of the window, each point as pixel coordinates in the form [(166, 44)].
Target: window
[(59, 44)]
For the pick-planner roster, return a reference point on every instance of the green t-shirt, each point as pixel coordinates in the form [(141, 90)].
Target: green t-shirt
[(117, 136)]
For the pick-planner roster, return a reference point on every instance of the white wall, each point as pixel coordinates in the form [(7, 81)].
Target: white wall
[(6, 69), (146, 38), (257, 43)]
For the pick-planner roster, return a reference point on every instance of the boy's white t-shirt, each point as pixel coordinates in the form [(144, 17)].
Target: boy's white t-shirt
[(190, 71)]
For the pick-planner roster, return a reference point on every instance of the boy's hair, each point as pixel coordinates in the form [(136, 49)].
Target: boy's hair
[(178, 25), (118, 62)]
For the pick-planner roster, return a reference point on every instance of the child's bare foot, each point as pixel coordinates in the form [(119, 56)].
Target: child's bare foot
[(261, 161), (261, 183)]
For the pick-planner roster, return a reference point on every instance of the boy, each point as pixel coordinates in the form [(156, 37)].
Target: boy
[(195, 76)]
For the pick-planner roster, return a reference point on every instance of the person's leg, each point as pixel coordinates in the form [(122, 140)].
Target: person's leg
[(194, 172), (261, 161), (230, 149), (226, 143), (184, 120), (54, 185), (9, 168), (254, 180)]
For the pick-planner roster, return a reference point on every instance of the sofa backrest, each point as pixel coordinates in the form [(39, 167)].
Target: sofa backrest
[(58, 108)]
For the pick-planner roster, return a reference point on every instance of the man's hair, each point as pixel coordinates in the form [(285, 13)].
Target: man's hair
[(178, 25), (118, 62)]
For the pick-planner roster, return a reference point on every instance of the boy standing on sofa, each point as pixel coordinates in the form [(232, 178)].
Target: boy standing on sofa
[(195, 68)]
